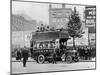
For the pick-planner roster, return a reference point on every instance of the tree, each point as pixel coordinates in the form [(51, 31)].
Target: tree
[(74, 26)]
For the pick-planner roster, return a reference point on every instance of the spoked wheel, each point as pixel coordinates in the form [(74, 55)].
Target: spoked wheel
[(41, 59), (69, 59)]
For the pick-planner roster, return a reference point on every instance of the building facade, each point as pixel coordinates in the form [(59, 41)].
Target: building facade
[(90, 16), (59, 17)]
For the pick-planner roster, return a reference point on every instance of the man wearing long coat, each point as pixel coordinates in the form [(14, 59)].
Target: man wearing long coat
[(25, 56)]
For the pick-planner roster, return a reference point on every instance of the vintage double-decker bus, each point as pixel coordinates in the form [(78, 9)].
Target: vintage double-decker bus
[(44, 44)]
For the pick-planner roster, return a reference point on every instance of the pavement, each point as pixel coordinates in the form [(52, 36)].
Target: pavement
[(33, 67)]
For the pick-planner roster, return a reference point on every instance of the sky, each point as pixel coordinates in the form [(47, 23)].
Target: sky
[(40, 11)]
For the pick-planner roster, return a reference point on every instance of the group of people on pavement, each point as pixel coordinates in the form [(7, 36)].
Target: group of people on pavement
[(85, 53), (54, 57)]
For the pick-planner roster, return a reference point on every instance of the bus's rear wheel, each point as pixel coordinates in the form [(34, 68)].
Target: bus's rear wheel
[(41, 59), (69, 59)]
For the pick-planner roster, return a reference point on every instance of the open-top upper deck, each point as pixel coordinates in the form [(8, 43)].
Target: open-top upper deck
[(49, 35)]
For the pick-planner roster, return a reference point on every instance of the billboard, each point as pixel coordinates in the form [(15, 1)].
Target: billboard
[(59, 17), (92, 39), (91, 29), (90, 15)]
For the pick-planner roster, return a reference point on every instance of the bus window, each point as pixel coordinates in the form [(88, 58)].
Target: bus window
[(34, 46), (51, 44), (48, 44), (41, 45), (37, 45)]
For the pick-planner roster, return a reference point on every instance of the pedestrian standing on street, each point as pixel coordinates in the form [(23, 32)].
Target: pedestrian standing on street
[(25, 56), (82, 53), (18, 55), (86, 54), (54, 57), (89, 53)]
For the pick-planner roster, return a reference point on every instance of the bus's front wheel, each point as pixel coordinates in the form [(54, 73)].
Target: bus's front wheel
[(41, 59)]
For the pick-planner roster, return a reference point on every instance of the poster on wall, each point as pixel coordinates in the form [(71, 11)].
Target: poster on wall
[(90, 15), (92, 39)]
